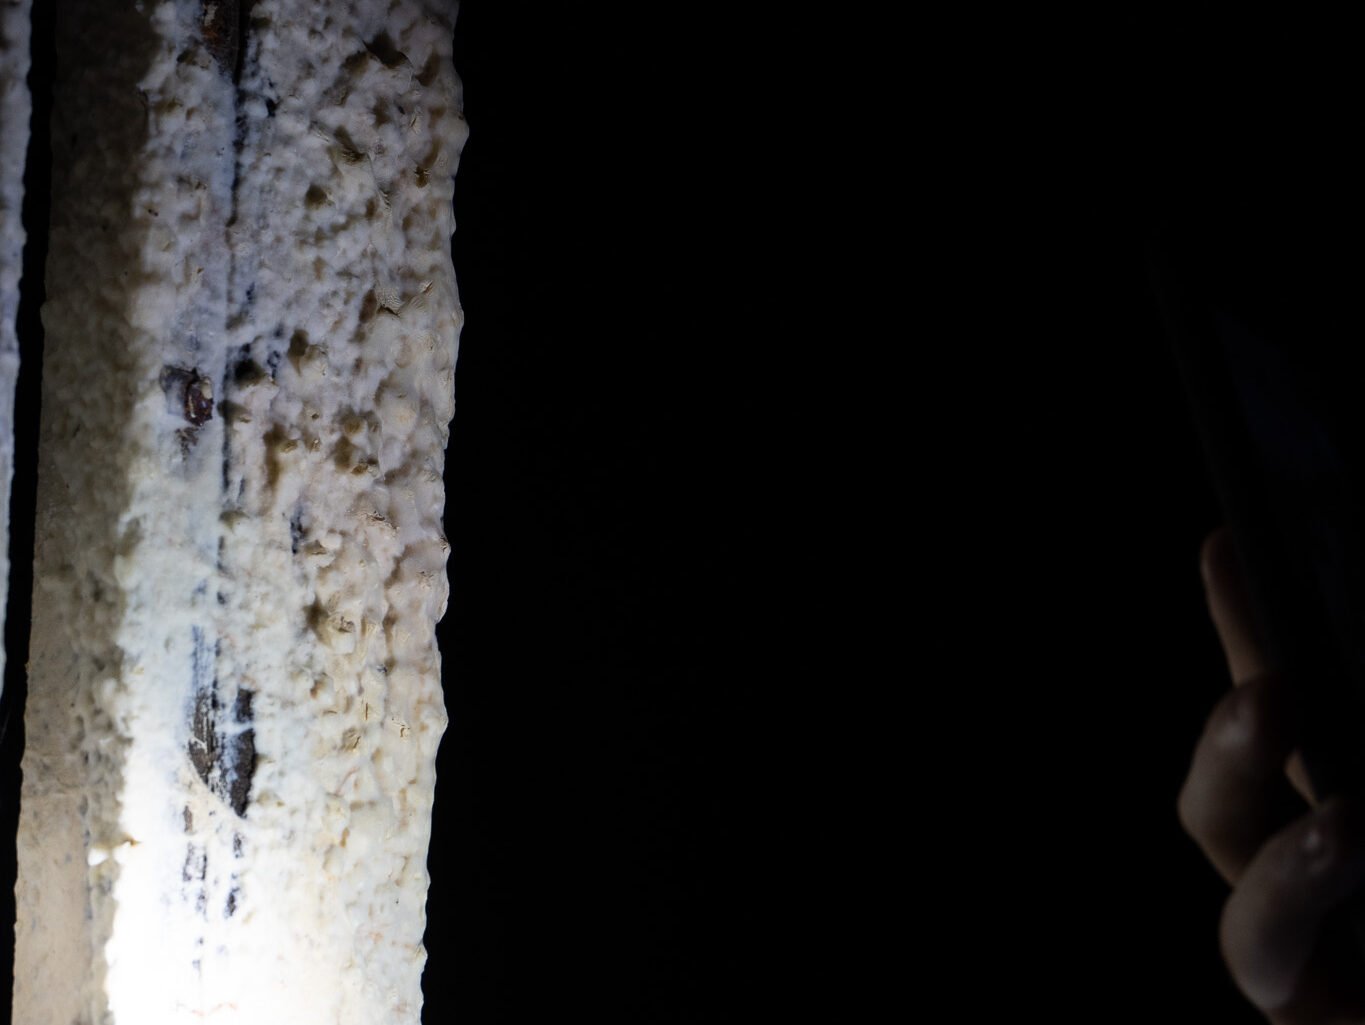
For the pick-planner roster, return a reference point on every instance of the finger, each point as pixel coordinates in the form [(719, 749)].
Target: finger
[(1273, 922), (1230, 607), (1236, 796)]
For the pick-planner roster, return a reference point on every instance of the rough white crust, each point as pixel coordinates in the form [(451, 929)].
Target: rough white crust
[(235, 699), (15, 107)]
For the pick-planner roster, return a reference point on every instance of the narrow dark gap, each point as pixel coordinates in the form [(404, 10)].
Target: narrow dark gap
[(27, 402)]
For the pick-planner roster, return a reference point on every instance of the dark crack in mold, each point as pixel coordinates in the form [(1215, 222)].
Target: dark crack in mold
[(220, 25)]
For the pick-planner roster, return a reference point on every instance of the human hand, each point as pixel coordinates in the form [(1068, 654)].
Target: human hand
[(1291, 860)]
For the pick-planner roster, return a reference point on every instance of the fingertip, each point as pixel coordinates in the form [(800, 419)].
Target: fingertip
[(1274, 918), (1230, 608), (1213, 554)]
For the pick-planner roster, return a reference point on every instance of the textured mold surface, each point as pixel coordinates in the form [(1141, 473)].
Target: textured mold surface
[(235, 700)]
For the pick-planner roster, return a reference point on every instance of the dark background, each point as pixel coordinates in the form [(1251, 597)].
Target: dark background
[(598, 808)]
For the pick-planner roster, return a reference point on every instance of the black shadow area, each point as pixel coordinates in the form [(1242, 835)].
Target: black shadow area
[(28, 398)]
